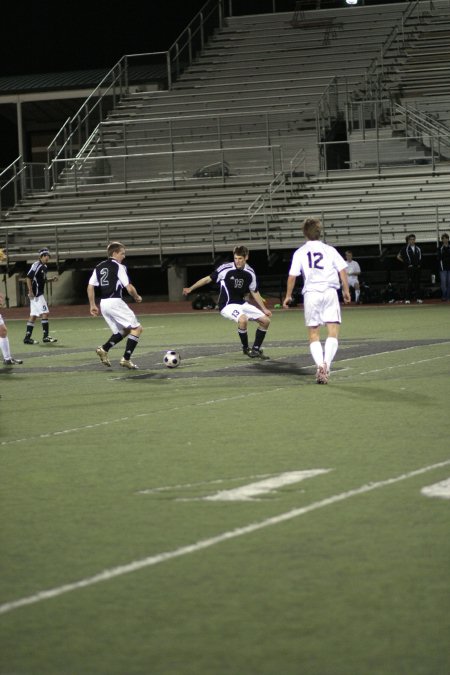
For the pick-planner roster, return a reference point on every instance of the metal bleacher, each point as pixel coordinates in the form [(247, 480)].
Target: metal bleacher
[(211, 161)]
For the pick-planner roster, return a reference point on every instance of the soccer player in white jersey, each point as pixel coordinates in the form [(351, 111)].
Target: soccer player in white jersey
[(111, 277), (324, 271), (236, 279), (353, 272)]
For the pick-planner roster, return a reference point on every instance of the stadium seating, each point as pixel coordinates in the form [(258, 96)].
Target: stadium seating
[(195, 168)]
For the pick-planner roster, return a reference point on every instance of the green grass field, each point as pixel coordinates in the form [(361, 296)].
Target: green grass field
[(131, 544)]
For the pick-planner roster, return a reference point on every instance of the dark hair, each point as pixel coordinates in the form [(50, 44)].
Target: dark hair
[(114, 247), (444, 236), (312, 228), (241, 250), (408, 237)]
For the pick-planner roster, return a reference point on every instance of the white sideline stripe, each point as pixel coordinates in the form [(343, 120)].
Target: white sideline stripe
[(251, 490), (441, 489), (97, 425), (219, 400), (107, 575)]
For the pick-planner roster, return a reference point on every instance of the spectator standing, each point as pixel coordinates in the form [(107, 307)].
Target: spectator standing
[(111, 277), (236, 280), (411, 257), (324, 271), (36, 280), (353, 272), (443, 255)]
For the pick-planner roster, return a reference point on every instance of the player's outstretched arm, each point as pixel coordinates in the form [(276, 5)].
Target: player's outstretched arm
[(198, 284)]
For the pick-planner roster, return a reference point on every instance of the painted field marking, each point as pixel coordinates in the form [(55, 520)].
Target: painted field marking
[(253, 490), (441, 489), (187, 486), (109, 574), (193, 405)]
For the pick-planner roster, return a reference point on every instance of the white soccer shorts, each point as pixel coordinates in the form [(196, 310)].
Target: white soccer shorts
[(38, 306), (118, 315), (321, 308), (233, 311)]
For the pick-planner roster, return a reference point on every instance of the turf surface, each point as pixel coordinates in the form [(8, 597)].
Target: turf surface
[(114, 557)]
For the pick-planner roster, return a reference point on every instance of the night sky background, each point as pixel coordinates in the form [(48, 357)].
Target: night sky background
[(54, 36)]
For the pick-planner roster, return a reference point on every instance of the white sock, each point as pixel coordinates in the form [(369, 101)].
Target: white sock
[(331, 346), (357, 293), (317, 352), (4, 346)]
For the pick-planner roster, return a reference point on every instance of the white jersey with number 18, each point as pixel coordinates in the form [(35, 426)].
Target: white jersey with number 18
[(319, 264)]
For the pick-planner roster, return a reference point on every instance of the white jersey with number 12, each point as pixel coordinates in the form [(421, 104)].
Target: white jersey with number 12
[(319, 264)]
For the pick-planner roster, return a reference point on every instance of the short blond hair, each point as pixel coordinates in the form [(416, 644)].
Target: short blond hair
[(312, 228), (114, 247)]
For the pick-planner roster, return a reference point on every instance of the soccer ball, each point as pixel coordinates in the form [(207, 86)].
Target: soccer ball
[(171, 359)]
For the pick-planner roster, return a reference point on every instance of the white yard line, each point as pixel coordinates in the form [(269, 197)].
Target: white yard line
[(218, 400), (150, 561)]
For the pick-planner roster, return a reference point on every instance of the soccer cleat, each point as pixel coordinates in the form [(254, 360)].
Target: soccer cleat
[(30, 341), (246, 351), (322, 374), (127, 363), (12, 362), (258, 354), (49, 339), (103, 356)]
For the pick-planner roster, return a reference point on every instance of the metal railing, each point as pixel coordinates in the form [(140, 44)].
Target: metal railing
[(375, 77), (213, 233), (172, 166), (19, 179), (426, 129), (115, 84)]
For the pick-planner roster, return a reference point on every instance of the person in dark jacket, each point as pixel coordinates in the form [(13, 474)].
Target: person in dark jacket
[(411, 257), (443, 255)]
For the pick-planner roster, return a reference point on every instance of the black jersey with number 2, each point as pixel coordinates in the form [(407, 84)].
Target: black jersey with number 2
[(111, 277)]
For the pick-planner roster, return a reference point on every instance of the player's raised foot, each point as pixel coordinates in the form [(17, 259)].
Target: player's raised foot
[(30, 341), (12, 362), (127, 363), (258, 354), (103, 356), (49, 339), (322, 374)]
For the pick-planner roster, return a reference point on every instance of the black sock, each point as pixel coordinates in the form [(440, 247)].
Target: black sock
[(130, 346), (44, 323), (243, 335), (259, 338), (113, 340), (29, 330)]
